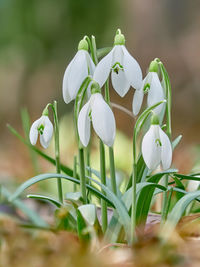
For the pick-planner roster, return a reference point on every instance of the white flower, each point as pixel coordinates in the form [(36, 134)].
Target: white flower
[(76, 72), (44, 127), (152, 85), (125, 70), (102, 117), (156, 148)]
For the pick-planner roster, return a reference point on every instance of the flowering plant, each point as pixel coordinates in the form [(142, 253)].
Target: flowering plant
[(86, 80)]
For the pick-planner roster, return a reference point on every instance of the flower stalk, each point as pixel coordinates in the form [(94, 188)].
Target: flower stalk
[(164, 211), (103, 181), (111, 152), (82, 174), (57, 150)]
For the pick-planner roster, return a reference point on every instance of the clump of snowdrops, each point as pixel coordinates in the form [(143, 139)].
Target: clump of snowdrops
[(87, 82)]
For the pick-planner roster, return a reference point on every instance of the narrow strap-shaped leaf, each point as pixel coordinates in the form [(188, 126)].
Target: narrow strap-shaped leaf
[(64, 168), (115, 226), (187, 177), (32, 215), (47, 176), (120, 207), (45, 198), (176, 214)]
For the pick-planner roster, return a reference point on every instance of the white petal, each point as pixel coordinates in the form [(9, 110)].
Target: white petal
[(118, 55), (33, 134), (84, 124), (137, 101), (166, 150), (132, 70), (48, 129), (103, 68), (151, 150), (77, 74), (43, 142), (120, 82), (90, 63), (155, 93), (65, 89), (103, 120)]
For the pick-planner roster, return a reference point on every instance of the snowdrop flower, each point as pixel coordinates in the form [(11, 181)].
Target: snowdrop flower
[(156, 146), (77, 71), (151, 85), (102, 117), (44, 127), (125, 70)]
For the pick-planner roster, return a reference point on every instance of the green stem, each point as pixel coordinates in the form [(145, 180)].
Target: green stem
[(77, 107), (88, 170), (82, 175), (103, 181), (165, 201), (75, 172), (112, 171), (57, 150), (138, 125), (169, 132), (134, 179), (111, 152)]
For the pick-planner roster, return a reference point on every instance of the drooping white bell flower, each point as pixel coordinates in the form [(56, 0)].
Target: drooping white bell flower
[(97, 111), (152, 85), (44, 127), (77, 71), (156, 147), (125, 70)]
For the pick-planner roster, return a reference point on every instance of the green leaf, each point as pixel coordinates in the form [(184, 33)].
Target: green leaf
[(176, 141), (143, 202), (45, 198), (114, 229), (102, 52), (120, 207), (47, 176), (176, 213), (66, 217), (187, 177), (156, 177), (64, 168), (81, 226), (32, 215), (119, 180)]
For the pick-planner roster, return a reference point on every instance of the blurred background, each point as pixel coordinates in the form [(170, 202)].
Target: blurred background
[(39, 38)]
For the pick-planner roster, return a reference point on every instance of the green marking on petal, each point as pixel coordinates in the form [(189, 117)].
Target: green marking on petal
[(41, 129), (146, 88), (158, 142), (116, 67)]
